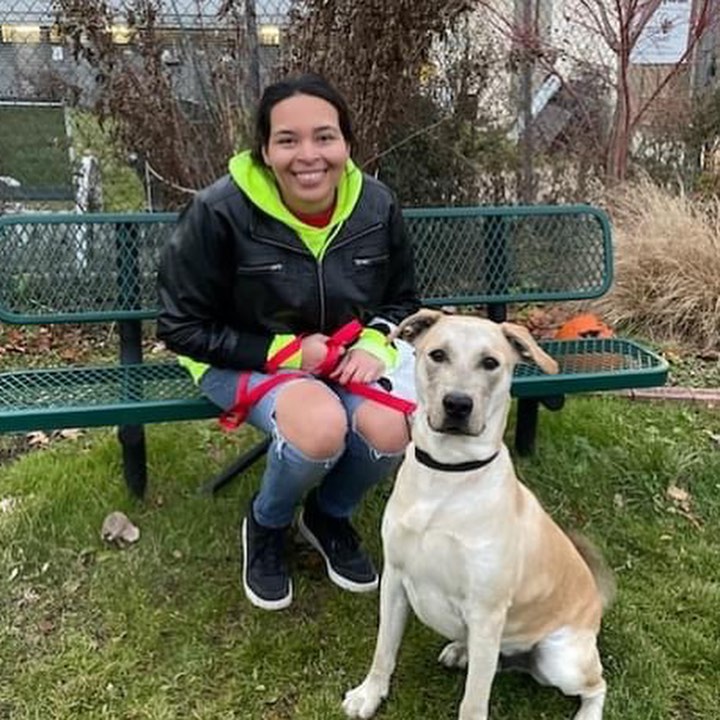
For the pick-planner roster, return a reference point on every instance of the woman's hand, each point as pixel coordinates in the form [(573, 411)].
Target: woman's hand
[(358, 366), (314, 351)]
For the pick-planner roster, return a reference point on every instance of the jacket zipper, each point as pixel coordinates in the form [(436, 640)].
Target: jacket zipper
[(365, 262), (321, 283), (321, 291), (250, 269)]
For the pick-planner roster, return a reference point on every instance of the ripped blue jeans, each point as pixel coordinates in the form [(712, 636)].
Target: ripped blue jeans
[(341, 480)]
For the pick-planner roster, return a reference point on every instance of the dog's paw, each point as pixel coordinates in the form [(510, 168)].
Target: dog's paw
[(454, 655), (362, 701)]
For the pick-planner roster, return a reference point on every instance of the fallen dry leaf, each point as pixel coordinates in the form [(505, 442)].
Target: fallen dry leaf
[(679, 496), (37, 438), (46, 626), (715, 437), (118, 530), (8, 504), (70, 355), (672, 355), (70, 433), (682, 504)]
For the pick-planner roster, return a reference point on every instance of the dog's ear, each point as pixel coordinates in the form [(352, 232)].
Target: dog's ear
[(412, 327), (524, 344)]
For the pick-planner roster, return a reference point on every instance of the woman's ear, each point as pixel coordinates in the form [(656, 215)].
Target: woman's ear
[(265, 157)]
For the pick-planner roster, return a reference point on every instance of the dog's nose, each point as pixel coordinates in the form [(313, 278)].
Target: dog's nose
[(457, 405)]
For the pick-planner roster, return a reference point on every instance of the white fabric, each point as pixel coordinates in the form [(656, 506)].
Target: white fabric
[(402, 376)]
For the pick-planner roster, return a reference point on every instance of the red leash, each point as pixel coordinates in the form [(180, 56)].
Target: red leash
[(245, 399)]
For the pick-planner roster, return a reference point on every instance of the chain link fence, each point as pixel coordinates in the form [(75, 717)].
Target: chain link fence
[(51, 83), (514, 106)]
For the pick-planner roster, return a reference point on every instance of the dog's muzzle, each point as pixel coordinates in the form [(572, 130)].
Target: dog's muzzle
[(457, 410)]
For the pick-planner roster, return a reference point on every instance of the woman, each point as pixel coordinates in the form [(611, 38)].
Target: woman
[(290, 246)]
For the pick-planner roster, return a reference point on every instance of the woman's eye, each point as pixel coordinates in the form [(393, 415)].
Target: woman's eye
[(489, 363), (438, 356)]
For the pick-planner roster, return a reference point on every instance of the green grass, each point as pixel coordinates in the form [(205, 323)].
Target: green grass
[(162, 629)]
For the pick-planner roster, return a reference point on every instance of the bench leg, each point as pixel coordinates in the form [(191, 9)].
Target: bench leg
[(526, 425), (527, 420), (132, 439), (231, 471), (553, 402)]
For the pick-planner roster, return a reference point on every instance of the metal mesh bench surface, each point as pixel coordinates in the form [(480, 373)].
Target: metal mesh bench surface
[(99, 395), (159, 392), (508, 254), (81, 268)]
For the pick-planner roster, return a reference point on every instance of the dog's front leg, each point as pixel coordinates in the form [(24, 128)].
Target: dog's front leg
[(364, 700), (483, 643)]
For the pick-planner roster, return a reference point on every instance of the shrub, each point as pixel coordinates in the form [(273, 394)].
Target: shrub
[(667, 266)]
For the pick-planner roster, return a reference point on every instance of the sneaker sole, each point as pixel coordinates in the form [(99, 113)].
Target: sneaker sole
[(256, 600), (336, 578)]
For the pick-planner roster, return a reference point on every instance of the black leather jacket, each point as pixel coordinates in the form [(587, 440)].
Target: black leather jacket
[(232, 277)]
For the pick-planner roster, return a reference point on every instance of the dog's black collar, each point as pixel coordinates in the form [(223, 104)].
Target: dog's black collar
[(423, 458)]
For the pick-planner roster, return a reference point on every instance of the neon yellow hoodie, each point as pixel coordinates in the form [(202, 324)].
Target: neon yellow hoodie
[(258, 183)]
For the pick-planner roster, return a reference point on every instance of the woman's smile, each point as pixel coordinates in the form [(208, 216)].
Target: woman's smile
[(306, 152)]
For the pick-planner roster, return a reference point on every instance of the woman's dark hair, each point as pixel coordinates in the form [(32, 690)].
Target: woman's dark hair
[(309, 84)]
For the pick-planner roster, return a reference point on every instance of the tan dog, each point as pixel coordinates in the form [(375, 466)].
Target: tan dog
[(468, 546)]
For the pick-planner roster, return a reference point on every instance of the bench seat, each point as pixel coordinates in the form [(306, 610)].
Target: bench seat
[(99, 395), (163, 391)]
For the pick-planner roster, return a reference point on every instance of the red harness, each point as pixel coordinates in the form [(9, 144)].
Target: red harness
[(245, 398)]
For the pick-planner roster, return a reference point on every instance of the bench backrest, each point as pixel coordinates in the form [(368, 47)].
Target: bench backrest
[(101, 267)]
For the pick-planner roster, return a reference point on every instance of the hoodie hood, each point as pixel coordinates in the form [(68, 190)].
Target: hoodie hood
[(258, 184)]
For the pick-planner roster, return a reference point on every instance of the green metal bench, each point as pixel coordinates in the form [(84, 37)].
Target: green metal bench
[(101, 269)]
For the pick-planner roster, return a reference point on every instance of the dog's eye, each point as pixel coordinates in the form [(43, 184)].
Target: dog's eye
[(438, 356), (489, 363)]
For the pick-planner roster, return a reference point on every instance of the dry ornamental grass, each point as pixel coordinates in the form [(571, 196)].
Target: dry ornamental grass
[(667, 266)]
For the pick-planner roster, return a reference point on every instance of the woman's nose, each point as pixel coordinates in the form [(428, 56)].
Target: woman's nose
[(307, 150)]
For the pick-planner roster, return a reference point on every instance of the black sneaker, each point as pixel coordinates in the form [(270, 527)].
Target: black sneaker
[(348, 566), (266, 579)]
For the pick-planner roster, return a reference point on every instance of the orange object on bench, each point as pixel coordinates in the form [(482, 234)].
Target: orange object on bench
[(586, 325)]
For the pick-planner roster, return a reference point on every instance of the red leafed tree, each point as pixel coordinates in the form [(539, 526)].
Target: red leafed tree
[(619, 26)]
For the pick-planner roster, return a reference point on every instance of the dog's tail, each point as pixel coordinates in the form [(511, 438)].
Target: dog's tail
[(604, 577)]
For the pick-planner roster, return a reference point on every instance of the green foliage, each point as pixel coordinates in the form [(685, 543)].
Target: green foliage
[(162, 630), (122, 188), (705, 124)]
